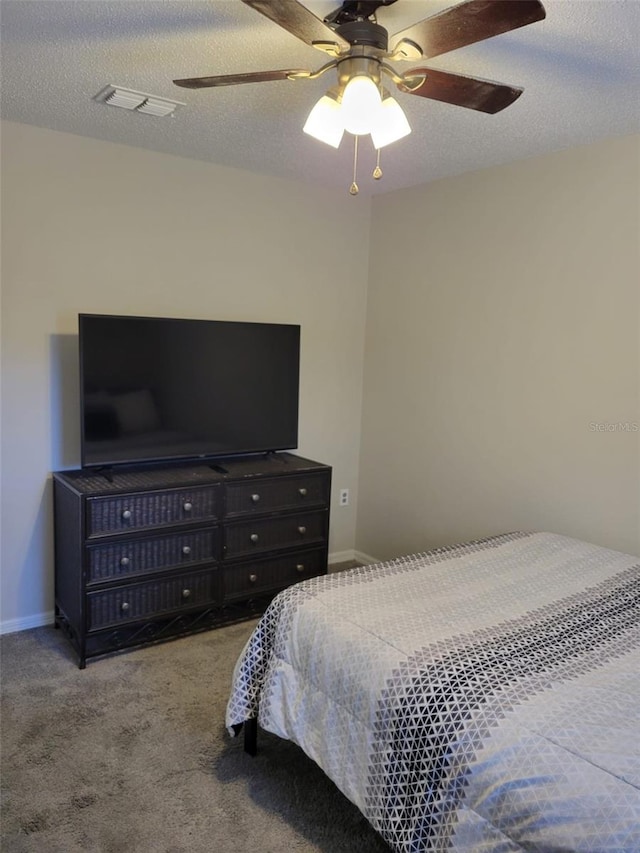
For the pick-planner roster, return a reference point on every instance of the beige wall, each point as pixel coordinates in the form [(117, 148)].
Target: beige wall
[(89, 226), (502, 322), (503, 326)]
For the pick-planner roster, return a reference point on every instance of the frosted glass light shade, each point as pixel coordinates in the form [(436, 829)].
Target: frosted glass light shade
[(392, 124), (360, 105), (325, 121)]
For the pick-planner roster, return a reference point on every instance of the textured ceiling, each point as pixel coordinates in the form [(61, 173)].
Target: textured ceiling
[(580, 70)]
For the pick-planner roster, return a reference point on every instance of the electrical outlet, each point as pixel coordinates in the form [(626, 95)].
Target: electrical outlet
[(344, 497)]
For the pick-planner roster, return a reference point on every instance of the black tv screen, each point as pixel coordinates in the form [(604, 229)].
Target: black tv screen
[(155, 389)]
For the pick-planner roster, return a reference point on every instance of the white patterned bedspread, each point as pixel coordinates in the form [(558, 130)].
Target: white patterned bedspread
[(484, 697)]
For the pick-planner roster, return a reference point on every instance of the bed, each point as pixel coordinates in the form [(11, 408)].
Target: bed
[(483, 697)]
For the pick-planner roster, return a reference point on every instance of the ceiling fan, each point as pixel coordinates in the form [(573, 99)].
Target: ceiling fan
[(359, 48)]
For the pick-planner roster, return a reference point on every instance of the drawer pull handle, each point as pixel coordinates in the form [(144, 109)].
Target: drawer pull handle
[(254, 537), (124, 561), (302, 530), (186, 593), (302, 492), (187, 506), (300, 567), (253, 578), (126, 514), (124, 606), (255, 498), (186, 549)]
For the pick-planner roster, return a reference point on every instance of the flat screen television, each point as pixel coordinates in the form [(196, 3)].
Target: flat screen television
[(158, 389)]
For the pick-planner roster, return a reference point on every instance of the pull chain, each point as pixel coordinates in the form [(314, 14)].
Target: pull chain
[(377, 172), (353, 189)]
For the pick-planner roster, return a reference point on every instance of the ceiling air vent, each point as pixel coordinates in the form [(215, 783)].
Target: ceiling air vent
[(139, 102)]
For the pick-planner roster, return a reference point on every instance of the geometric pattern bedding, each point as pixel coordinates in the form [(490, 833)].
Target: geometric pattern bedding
[(482, 698)]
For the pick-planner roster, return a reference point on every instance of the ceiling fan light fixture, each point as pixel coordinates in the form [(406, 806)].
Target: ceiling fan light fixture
[(325, 121), (360, 105), (392, 124), (359, 46)]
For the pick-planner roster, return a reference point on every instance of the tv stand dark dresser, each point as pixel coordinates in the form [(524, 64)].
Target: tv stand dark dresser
[(148, 554)]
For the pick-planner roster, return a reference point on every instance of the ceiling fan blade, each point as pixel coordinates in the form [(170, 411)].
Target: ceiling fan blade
[(470, 22), (233, 79), (470, 92), (300, 22)]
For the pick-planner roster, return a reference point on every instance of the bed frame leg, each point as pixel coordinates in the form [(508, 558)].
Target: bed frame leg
[(251, 736)]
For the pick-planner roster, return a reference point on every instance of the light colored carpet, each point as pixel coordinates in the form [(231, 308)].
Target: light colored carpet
[(131, 754)]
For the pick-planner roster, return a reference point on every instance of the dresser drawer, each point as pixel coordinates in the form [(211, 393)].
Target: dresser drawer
[(271, 495), (243, 580), (289, 531), (126, 557), (140, 510), (152, 598)]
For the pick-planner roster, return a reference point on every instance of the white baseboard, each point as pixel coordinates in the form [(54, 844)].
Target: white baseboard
[(38, 620), (341, 556), (351, 554), (367, 559)]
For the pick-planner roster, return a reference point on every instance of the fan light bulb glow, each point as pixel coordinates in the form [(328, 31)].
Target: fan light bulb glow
[(392, 124), (361, 104), (362, 107), (325, 121)]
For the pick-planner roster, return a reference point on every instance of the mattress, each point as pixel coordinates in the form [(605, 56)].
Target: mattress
[(481, 697)]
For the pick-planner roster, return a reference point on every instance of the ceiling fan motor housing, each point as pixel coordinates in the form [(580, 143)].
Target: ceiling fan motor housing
[(355, 10), (364, 33)]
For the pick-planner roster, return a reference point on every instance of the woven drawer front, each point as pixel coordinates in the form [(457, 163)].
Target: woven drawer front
[(290, 531), (129, 557), (250, 578), (150, 509), (281, 493), (146, 600)]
